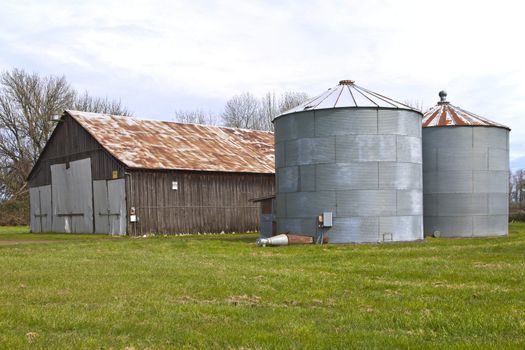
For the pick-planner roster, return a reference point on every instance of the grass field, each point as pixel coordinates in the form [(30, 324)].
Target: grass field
[(96, 292)]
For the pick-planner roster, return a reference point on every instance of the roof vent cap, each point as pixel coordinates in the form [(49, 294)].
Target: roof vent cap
[(443, 96), (346, 82)]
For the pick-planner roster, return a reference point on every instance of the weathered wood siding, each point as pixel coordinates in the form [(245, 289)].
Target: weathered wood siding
[(205, 202), (71, 142)]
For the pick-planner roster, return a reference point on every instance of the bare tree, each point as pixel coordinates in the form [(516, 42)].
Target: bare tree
[(269, 109), (291, 99), (417, 105), (197, 116), (242, 111), (27, 104), (85, 102)]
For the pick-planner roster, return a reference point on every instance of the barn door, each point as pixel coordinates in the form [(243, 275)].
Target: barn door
[(40, 204), (110, 206), (72, 197)]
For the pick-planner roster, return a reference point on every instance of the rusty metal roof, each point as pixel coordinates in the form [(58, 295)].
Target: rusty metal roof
[(348, 95), (151, 144), (446, 114)]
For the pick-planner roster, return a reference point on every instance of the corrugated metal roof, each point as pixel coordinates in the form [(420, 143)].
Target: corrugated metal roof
[(348, 95), (446, 114), (151, 144)]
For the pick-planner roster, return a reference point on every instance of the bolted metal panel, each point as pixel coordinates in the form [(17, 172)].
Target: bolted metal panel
[(430, 156), (498, 204), (401, 176), (490, 225), (34, 210), (365, 148), (279, 154), (295, 126), (448, 226), (310, 151), (462, 159), (393, 122), (400, 228), (487, 137), (471, 180), (309, 204), (409, 149), (430, 204), (46, 210), (410, 202), (348, 176), (307, 178), (81, 195), (345, 122), (117, 207), (101, 206), (462, 204), (288, 179), (280, 205), (498, 159), (366, 203), (60, 198), (307, 226), (355, 229)]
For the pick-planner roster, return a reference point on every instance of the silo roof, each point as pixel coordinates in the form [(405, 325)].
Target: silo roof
[(347, 94), (446, 114)]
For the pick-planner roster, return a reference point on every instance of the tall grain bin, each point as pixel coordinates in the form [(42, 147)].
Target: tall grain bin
[(465, 173), (355, 155)]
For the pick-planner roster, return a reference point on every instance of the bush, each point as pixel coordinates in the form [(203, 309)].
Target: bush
[(517, 215), (14, 212)]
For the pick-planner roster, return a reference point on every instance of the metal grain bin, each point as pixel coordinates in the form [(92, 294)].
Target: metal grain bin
[(357, 155), (465, 173)]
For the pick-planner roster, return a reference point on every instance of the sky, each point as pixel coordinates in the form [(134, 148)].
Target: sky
[(161, 56)]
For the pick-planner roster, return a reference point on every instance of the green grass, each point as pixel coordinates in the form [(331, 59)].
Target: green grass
[(223, 292)]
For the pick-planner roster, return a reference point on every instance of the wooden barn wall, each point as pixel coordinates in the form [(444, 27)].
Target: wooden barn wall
[(204, 202), (71, 142)]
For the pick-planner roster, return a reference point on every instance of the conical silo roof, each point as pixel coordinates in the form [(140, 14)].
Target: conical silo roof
[(446, 114), (347, 94)]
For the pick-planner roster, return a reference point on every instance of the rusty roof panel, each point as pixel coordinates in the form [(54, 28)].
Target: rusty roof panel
[(446, 114), (151, 144)]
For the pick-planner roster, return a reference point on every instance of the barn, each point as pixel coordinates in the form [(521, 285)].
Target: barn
[(119, 175)]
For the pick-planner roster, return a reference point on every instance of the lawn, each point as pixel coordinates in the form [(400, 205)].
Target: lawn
[(224, 292)]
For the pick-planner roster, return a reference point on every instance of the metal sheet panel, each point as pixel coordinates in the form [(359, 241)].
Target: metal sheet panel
[(307, 178), (366, 148), (462, 204), (280, 155), (294, 126), (280, 205), (366, 203), (309, 204), (392, 122), (345, 122), (429, 158), (117, 207), (410, 202), (310, 151), (449, 226), (498, 182), (490, 225), (455, 181), (288, 179), (101, 206), (486, 137), (46, 208), (349, 176), (60, 198), (401, 176), (430, 204), (464, 159), (306, 226), (498, 204), (401, 228), (409, 149), (356, 229), (498, 159), (81, 195), (34, 210)]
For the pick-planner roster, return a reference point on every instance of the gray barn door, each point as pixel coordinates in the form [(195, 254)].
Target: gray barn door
[(72, 197), (40, 209), (110, 206)]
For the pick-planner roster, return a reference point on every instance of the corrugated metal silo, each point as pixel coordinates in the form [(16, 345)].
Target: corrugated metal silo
[(465, 173), (353, 153)]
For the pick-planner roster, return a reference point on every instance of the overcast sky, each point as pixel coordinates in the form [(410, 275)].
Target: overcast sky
[(161, 56)]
